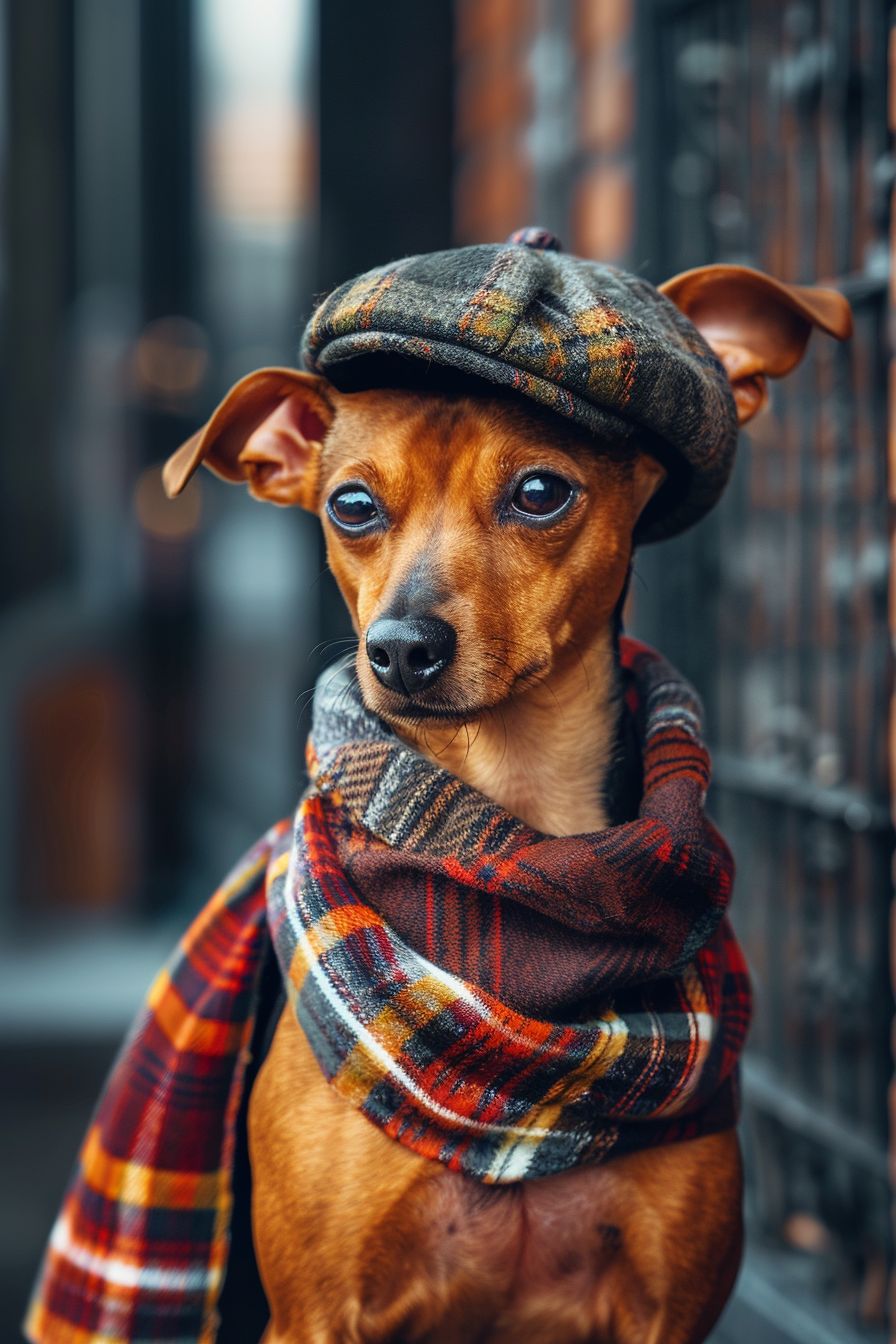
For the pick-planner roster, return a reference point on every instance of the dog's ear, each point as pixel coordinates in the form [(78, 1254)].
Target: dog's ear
[(647, 477), (757, 326), (267, 433)]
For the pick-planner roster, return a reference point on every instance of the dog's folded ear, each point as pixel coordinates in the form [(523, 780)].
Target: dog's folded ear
[(266, 433), (757, 326)]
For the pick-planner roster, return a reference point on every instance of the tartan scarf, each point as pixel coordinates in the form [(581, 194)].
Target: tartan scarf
[(507, 1003)]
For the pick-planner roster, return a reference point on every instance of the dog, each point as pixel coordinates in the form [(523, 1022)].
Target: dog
[(483, 551), (485, 435)]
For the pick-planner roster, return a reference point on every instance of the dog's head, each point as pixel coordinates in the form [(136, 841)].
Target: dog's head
[(480, 541)]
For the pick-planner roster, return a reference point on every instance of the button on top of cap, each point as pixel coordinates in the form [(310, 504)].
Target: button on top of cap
[(542, 239)]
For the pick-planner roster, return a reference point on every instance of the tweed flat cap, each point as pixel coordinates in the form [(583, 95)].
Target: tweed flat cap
[(593, 343)]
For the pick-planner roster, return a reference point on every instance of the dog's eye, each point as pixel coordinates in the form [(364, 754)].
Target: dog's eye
[(352, 506), (540, 495)]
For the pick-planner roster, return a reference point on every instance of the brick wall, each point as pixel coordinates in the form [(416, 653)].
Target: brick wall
[(545, 113), (494, 109), (603, 203)]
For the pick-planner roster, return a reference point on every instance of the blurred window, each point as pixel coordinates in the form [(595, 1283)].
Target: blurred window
[(159, 215)]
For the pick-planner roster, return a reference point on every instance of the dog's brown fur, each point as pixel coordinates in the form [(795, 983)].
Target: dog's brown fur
[(534, 682), (359, 1239)]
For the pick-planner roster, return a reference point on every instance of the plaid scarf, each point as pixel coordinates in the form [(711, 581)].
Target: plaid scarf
[(507, 1003)]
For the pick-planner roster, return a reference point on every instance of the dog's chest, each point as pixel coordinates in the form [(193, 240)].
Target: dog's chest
[(535, 1241), (376, 1243)]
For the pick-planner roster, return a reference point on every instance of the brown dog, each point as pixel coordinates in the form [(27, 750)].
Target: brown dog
[(483, 549)]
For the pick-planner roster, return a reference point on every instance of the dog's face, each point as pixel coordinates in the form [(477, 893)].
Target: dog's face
[(478, 544)]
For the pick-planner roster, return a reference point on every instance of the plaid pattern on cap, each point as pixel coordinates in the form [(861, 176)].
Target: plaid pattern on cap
[(440, 1062), (593, 343)]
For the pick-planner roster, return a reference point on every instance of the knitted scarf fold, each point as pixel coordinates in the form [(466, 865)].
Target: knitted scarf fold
[(507, 1003)]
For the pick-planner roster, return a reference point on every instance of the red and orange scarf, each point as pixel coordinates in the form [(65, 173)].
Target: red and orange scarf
[(504, 1002)]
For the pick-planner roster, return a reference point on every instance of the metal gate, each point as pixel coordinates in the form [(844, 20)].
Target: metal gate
[(763, 139)]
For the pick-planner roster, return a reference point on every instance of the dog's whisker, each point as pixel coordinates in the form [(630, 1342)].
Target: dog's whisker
[(450, 743), (504, 727), (326, 645), (307, 696)]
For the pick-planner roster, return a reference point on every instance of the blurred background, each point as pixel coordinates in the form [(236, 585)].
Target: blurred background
[(179, 179)]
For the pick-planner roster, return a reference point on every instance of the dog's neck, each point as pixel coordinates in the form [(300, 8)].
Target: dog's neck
[(544, 755)]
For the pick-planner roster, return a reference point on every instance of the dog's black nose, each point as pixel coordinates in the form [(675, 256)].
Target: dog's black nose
[(410, 654)]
